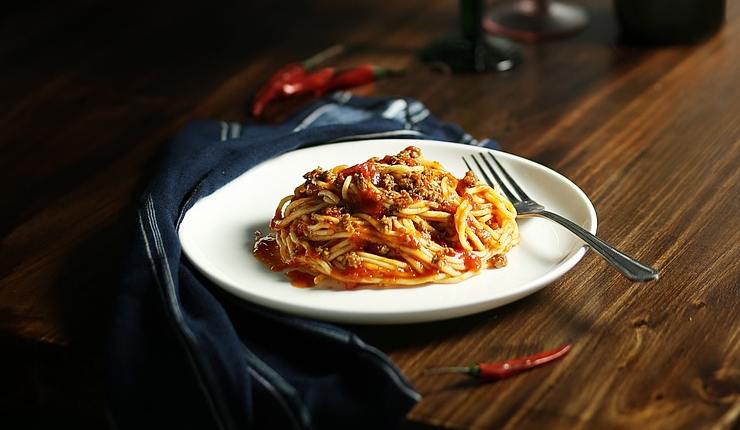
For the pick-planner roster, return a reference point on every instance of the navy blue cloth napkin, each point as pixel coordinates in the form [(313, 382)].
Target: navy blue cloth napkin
[(183, 354)]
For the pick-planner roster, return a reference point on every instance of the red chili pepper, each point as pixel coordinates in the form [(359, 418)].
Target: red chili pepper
[(273, 88), (314, 83), (505, 369), (289, 74), (360, 75)]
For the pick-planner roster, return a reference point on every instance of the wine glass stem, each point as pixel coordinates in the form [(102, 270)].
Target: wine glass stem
[(471, 14), (535, 7)]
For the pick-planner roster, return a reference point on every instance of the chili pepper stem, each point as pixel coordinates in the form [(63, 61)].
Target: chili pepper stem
[(505, 369), (382, 72), (322, 56), (470, 370)]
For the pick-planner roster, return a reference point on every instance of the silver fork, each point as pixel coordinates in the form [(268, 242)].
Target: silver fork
[(526, 207)]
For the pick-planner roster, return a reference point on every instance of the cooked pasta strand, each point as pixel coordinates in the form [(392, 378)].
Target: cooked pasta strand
[(397, 221)]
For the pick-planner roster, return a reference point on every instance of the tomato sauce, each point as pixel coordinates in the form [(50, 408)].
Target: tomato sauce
[(367, 170), (358, 243), (369, 202), (300, 279), (408, 240), (404, 157), (448, 207), (359, 273), (355, 274), (472, 262), (466, 182), (267, 251)]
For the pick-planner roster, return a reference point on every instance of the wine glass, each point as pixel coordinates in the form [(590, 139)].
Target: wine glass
[(533, 20), (473, 50)]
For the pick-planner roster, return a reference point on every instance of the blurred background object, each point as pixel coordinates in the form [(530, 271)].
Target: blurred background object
[(534, 20), (662, 22), (472, 51)]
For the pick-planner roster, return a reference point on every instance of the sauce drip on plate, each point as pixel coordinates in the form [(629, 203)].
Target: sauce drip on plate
[(267, 251)]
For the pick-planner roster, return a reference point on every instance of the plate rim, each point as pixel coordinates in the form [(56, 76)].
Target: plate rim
[(191, 252)]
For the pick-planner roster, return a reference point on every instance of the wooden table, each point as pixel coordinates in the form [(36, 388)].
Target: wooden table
[(90, 92)]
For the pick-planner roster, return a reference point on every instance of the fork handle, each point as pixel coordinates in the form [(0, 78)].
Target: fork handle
[(628, 266)]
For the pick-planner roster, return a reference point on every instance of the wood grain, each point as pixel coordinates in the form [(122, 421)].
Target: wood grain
[(91, 92)]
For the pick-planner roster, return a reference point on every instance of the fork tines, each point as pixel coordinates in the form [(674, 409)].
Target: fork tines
[(506, 187)]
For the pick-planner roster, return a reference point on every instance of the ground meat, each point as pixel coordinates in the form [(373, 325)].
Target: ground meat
[(432, 191), (388, 182), (360, 182), (323, 252), (406, 157), (470, 180), (403, 200), (319, 174), (497, 261), (410, 152), (438, 256), (411, 182), (376, 248), (335, 211), (316, 180), (346, 221), (353, 260), (422, 186)]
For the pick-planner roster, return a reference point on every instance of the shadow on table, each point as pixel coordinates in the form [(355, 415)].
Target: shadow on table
[(398, 337)]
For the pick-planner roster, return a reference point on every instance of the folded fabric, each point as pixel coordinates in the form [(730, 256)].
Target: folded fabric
[(183, 354)]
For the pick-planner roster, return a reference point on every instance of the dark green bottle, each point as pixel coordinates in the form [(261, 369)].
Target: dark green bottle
[(668, 22)]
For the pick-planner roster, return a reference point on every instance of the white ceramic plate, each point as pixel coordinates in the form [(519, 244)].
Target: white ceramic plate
[(217, 235)]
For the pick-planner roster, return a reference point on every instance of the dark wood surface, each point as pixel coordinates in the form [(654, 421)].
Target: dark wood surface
[(90, 92)]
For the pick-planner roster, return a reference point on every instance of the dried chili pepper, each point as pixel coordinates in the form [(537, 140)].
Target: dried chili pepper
[(273, 88), (289, 74), (505, 369), (360, 75), (314, 83)]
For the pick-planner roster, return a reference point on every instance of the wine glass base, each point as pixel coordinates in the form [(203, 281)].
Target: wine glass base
[(520, 20), (458, 55)]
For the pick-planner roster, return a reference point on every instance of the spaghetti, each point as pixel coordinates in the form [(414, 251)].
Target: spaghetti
[(397, 221)]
